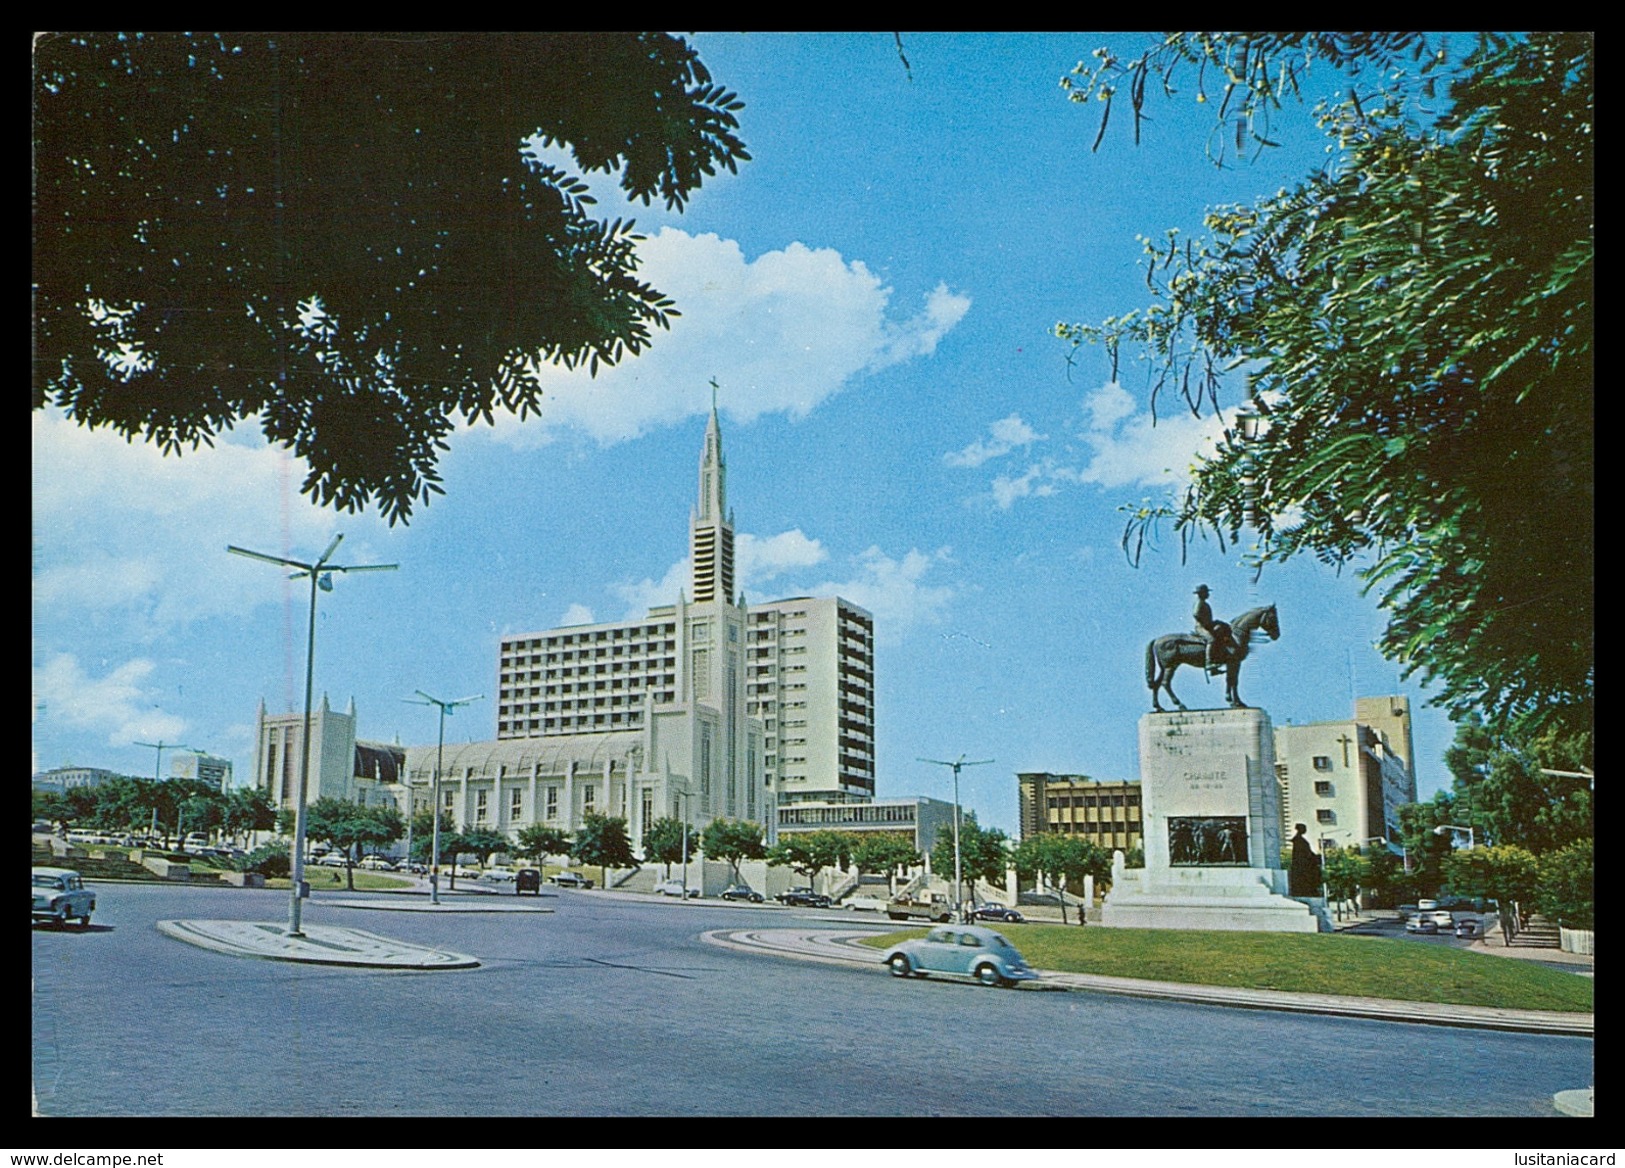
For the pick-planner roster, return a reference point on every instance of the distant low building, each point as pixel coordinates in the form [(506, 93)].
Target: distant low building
[(921, 818), (1104, 812), (64, 779), (204, 767)]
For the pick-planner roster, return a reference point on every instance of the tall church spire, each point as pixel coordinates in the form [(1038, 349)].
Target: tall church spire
[(711, 534)]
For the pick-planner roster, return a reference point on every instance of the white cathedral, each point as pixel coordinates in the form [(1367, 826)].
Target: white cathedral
[(703, 709)]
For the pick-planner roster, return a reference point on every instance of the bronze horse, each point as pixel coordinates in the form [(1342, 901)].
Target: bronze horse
[(1166, 654)]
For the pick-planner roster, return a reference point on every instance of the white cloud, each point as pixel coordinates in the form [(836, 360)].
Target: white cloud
[(1108, 405), (577, 614), (116, 704), (1008, 434), (121, 528), (780, 333), (759, 559), (1134, 452), (894, 590)]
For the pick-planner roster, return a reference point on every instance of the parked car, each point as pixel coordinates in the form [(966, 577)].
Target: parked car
[(496, 876), (331, 860), (996, 912), (411, 866), (527, 880), (464, 872), (741, 892), (1469, 927), (60, 895), (1421, 923), (377, 864), (804, 898), (675, 888), (961, 951), (571, 880)]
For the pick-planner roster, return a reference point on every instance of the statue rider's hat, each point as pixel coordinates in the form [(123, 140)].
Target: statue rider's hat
[(1201, 590)]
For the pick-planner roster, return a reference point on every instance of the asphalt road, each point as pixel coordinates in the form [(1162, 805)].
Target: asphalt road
[(613, 1007)]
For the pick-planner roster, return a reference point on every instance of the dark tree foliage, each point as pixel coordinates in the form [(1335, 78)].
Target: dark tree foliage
[(1417, 323), (343, 234)]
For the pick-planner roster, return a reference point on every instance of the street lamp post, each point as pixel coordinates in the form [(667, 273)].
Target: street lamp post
[(434, 796), (1444, 827), (958, 867), (320, 575), (685, 796), (158, 772)]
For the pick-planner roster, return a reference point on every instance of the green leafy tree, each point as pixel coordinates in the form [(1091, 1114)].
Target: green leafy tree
[(350, 826), (667, 840), (811, 852), (733, 841), (1565, 891), (1063, 858), (247, 811), (485, 842), (423, 833), (1522, 788), (1416, 321), (602, 840), (215, 241), (1506, 874), (539, 841), (1343, 870), (984, 854), (1385, 881), (1425, 849), (884, 852), (54, 807)]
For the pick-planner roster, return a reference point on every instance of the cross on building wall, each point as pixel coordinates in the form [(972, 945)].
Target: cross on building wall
[(1347, 742)]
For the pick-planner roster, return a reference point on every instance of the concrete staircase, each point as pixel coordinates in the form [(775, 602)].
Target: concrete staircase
[(1540, 933)]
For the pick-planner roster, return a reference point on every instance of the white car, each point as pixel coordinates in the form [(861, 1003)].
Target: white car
[(675, 888), (497, 876), (376, 864), (331, 860), (60, 895)]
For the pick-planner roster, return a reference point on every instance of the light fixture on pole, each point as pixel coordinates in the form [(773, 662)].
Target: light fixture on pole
[(320, 575), (1252, 425), (434, 796), (158, 772), (1444, 827), (958, 867)]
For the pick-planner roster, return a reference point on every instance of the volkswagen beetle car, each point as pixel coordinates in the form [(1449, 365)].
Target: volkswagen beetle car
[(961, 951), (804, 897), (60, 895), (741, 892), (571, 880)]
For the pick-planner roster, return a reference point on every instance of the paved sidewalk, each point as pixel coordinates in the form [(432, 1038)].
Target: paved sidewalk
[(845, 947), (321, 945)]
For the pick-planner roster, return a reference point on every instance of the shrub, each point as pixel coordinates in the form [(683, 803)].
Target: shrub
[(270, 860), (1565, 888)]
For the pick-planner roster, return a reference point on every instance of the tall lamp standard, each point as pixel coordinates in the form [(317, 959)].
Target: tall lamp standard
[(158, 772), (434, 797), (685, 796), (320, 574), (1444, 827), (958, 866)]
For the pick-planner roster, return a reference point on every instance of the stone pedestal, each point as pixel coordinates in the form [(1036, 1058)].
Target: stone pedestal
[(1211, 820)]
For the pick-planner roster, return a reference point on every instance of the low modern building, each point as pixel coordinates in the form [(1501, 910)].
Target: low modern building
[(923, 819), (64, 779), (1346, 780), (1104, 812), (205, 767)]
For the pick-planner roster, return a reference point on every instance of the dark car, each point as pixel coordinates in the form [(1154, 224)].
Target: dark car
[(1469, 927), (741, 892), (804, 898), (527, 880), (996, 912)]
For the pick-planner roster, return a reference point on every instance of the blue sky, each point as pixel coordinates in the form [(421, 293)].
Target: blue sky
[(874, 294)]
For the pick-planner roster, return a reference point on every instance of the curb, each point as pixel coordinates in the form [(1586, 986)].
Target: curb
[(843, 947)]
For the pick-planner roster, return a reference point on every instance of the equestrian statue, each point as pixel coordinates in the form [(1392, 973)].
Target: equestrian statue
[(1214, 647)]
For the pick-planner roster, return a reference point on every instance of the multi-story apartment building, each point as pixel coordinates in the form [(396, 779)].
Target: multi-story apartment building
[(1346, 780), (810, 677), (208, 768), (1103, 812)]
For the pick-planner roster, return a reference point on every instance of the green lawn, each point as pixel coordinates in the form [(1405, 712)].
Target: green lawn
[(327, 879), (1325, 963)]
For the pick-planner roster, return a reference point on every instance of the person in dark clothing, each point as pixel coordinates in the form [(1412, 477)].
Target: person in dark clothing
[(1206, 628), (1303, 876)]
